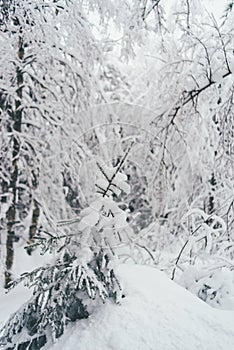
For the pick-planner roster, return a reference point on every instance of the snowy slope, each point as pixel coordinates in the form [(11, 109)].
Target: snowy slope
[(156, 314)]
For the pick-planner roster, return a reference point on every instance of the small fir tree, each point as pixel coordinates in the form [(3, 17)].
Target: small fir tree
[(83, 269)]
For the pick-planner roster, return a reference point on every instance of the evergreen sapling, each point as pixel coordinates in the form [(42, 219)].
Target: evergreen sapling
[(82, 271)]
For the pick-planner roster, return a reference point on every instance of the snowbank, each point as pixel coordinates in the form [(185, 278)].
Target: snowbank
[(156, 314)]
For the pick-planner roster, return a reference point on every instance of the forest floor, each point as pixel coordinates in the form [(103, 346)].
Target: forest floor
[(156, 314)]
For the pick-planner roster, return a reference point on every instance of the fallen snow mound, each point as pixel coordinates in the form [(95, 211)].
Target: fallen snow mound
[(156, 314)]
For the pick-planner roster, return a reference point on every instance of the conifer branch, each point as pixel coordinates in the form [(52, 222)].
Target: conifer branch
[(117, 169)]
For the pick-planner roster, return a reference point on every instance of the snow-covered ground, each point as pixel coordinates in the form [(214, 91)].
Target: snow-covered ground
[(155, 314)]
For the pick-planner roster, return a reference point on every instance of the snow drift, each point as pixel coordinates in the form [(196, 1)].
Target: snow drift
[(155, 314)]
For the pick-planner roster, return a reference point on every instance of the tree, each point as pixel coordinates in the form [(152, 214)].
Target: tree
[(33, 103), (47, 83), (184, 78), (185, 85), (84, 268)]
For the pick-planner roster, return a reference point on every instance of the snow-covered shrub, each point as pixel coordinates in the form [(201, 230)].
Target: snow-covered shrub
[(202, 264), (203, 236), (214, 285), (82, 270)]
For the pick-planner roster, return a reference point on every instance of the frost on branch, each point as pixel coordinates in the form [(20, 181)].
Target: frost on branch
[(82, 272), (103, 222)]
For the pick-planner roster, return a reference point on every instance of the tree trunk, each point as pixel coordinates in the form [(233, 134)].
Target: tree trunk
[(211, 198), (11, 214), (34, 224)]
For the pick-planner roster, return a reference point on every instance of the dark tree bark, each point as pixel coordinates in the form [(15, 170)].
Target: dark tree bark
[(211, 198), (11, 214), (34, 224)]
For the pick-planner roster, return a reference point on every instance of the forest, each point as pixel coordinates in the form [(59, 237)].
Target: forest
[(116, 163)]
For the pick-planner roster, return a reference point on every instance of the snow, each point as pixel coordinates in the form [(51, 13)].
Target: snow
[(10, 302), (155, 314)]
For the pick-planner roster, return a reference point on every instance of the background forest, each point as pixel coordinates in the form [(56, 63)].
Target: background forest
[(87, 82)]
